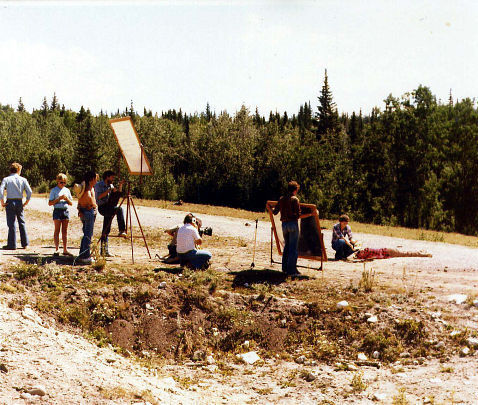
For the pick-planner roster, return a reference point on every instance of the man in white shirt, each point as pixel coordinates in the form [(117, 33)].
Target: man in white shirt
[(15, 185), (186, 245)]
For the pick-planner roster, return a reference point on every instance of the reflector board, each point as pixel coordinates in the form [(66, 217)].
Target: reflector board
[(311, 239), (130, 146)]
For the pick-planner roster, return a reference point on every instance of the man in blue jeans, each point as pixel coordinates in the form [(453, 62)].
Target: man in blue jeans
[(340, 232), (15, 185), (87, 212), (289, 208)]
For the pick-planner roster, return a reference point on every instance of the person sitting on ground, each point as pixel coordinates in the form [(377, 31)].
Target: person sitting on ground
[(186, 245), (172, 257), (15, 185), (60, 198), (342, 238), (107, 197), (87, 212)]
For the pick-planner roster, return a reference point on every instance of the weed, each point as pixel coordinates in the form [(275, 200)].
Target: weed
[(289, 379), (448, 369), (410, 330), (24, 271), (400, 398), (357, 383), (367, 280), (8, 288), (263, 391)]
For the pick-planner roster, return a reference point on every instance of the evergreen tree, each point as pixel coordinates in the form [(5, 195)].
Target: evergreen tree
[(86, 149), (327, 116), (44, 107), (21, 107), (54, 103)]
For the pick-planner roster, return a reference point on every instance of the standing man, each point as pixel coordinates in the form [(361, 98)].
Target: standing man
[(186, 245), (107, 197), (289, 208), (15, 185)]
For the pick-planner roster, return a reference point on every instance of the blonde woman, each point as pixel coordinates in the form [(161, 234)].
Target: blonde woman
[(60, 198)]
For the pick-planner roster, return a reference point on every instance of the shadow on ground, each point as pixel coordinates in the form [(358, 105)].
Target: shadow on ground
[(266, 276), (36, 258)]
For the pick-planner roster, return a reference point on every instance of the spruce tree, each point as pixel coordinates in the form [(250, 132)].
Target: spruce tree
[(328, 119), (54, 103), (21, 106)]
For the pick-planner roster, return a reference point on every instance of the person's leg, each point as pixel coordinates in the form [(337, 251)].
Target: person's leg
[(11, 218), (198, 257), (88, 225), (120, 217), (56, 234), (285, 252), (293, 248), (21, 223), (64, 235), (338, 246)]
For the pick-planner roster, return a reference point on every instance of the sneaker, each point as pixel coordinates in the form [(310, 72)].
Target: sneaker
[(66, 253), (122, 235), (57, 253), (88, 260), (8, 248)]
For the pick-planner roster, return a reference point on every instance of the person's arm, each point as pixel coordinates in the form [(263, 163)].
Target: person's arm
[(68, 198), (2, 189), (52, 200), (28, 190), (197, 238), (99, 194)]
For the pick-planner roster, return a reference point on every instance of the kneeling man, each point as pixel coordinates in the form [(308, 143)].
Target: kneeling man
[(186, 245)]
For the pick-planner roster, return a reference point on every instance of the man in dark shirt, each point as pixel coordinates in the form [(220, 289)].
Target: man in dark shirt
[(289, 208)]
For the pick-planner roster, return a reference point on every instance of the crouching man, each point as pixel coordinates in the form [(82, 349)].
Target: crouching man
[(186, 245)]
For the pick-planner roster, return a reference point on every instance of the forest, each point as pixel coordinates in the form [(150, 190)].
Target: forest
[(412, 163)]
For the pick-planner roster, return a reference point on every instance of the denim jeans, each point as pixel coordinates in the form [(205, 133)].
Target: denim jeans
[(14, 212), (342, 250), (88, 220), (197, 258), (109, 213), (290, 230)]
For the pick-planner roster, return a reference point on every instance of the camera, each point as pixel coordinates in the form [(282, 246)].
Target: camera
[(205, 231)]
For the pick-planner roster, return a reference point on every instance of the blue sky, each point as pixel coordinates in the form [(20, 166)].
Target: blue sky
[(266, 54)]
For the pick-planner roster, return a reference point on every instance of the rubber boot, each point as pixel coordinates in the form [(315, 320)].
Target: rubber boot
[(107, 253)]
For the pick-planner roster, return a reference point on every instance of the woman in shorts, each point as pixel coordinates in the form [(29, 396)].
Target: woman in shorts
[(60, 198)]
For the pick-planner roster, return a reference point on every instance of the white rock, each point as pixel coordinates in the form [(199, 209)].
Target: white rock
[(455, 333), (283, 322), (376, 354), (342, 304), (249, 357), (427, 400), (27, 396), (475, 303), (372, 319), (404, 355), (436, 381), (246, 344), (362, 356), (457, 298), (300, 359), (465, 351), (352, 367), (210, 360), (162, 284), (367, 315), (29, 313), (379, 396), (37, 390), (473, 342), (149, 306), (440, 345)]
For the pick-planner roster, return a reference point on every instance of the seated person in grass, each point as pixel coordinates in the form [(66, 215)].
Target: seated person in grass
[(172, 257), (342, 238), (187, 241)]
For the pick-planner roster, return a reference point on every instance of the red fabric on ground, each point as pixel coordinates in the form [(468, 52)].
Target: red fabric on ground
[(369, 253)]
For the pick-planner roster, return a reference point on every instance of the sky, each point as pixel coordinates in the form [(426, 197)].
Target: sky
[(266, 54)]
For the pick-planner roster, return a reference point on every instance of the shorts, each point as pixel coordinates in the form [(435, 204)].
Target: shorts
[(61, 214)]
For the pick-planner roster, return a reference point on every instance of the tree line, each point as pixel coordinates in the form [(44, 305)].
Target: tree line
[(413, 163)]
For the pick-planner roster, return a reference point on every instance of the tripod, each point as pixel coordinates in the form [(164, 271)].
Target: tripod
[(129, 214)]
